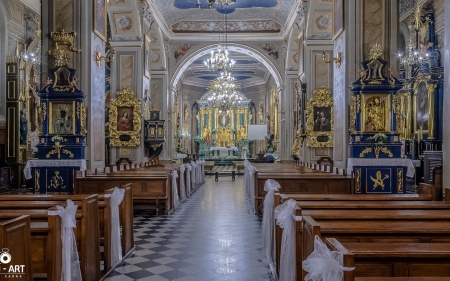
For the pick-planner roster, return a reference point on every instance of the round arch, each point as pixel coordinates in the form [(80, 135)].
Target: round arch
[(239, 48)]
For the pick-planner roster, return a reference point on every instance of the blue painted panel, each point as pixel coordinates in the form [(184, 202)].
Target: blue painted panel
[(192, 4), (378, 180), (54, 180)]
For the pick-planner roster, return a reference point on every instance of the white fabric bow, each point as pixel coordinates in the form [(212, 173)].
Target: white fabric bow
[(176, 200), (323, 264), (182, 186), (116, 247), (268, 219), (188, 179), (70, 262), (251, 183), (284, 214), (193, 177)]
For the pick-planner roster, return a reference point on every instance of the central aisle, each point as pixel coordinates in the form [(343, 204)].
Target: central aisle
[(213, 236)]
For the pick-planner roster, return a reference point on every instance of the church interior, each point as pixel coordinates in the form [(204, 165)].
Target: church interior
[(235, 140)]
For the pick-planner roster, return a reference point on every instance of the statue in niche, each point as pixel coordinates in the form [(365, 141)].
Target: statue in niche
[(242, 133), (375, 116), (206, 133), (375, 69), (23, 126)]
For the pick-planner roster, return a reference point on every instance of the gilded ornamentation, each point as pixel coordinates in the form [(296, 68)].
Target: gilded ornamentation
[(365, 151), (320, 119), (380, 148), (37, 176), (57, 150), (42, 112), (379, 180), (424, 105), (81, 114), (126, 131), (358, 180), (376, 113), (395, 139), (400, 180), (375, 52), (65, 38), (353, 115), (358, 139), (57, 181), (397, 102), (155, 146)]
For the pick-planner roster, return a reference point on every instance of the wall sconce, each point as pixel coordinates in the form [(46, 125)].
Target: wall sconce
[(99, 57), (337, 59)]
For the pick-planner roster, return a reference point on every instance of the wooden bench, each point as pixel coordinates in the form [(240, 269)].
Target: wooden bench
[(393, 259), (209, 165), (15, 235), (46, 243)]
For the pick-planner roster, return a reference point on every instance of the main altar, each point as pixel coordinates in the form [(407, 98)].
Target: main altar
[(223, 128)]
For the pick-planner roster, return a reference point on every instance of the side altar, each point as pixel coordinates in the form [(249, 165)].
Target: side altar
[(375, 128), (62, 132), (223, 128)]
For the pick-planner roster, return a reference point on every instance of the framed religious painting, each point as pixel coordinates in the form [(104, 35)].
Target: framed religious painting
[(147, 56), (320, 119), (100, 18), (61, 118), (125, 119), (338, 18), (424, 106), (376, 113)]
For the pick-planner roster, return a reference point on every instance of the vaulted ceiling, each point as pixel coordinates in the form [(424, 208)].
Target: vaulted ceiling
[(179, 18)]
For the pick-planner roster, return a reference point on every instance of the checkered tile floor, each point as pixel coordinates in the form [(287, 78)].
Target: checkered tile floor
[(213, 236)]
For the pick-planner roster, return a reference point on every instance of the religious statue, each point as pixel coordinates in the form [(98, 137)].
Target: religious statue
[(242, 133), (23, 126), (206, 134), (375, 116), (261, 113)]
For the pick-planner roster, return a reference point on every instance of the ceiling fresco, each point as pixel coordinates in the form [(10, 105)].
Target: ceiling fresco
[(244, 16)]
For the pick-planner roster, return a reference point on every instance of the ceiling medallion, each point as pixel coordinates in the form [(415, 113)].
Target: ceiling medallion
[(220, 3)]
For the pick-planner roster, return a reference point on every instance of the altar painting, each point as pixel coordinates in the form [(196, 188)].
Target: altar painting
[(62, 119), (376, 113)]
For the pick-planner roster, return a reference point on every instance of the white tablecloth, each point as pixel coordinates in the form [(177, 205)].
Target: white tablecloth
[(383, 162), (81, 163), (224, 148)]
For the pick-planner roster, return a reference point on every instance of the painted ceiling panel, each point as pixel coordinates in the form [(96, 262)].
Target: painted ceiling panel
[(192, 4)]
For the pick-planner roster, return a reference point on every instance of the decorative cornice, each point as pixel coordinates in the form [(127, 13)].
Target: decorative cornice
[(146, 13)]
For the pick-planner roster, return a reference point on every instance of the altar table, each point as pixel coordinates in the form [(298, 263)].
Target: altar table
[(228, 149)]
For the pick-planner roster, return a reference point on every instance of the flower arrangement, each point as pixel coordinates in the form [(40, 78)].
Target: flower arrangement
[(57, 139), (380, 138)]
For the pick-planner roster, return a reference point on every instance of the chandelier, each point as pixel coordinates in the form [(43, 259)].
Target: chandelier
[(224, 94), (219, 60)]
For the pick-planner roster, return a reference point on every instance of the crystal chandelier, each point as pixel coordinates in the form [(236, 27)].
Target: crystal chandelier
[(219, 60), (224, 93)]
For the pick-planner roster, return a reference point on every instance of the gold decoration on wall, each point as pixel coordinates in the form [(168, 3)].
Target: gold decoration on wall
[(57, 181), (376, 51), (81, 112), (424, 104), (125, 119), (155, 146), (379, 180), (64, 38), (320, 119), (397, 103), (365, 151), (353, 115), (400, 180)]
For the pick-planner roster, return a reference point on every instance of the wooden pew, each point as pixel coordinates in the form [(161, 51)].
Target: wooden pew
[(104, 214), (44, 227), (15, 235), (402, 278), (393, 259)]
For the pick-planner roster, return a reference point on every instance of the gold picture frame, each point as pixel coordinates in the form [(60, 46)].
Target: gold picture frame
[(320, 119), (100, 15), (61, 118), (125, 119), (376, 113), (424, 106), (147, 52)]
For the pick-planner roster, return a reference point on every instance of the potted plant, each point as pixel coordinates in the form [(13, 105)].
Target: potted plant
[(379, 139), (57, 139)]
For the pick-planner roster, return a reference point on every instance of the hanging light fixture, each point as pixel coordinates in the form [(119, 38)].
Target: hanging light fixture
[(219, 60), (224, 93)]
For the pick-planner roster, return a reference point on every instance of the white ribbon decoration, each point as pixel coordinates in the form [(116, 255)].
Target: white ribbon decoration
[(323, 264), (176, 199), (246, 184), (203, 170), (116, 247), (284, 214), (182, 185), (70, 262), (268, 220), (193, 179), (198, 173), (188, 179), (251, 184)]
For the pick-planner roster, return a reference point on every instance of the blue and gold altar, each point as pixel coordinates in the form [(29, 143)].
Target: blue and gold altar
[(223, 128), (62, 132), (375, 128)]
